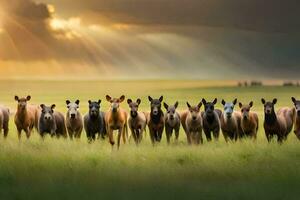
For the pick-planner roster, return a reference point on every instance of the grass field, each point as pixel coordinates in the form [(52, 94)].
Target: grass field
[(63, 169)]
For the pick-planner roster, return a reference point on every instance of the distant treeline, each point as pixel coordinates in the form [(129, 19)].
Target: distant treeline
[(250, 83), (260, 83)]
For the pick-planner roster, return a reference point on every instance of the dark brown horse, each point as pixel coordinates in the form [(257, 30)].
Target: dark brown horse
[(156, 119)]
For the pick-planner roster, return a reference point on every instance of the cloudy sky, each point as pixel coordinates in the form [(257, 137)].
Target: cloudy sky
[(196, 39)]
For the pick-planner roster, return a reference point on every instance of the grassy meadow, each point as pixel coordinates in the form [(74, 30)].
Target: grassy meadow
[(63, 169)]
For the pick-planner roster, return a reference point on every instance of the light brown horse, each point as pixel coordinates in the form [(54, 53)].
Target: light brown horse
[(191, 121), (249, 122), (116, 119), (26, 116)]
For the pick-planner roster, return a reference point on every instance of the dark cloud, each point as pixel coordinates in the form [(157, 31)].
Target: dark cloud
[(257, 15)]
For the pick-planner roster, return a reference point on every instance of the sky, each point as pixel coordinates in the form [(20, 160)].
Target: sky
[(140, 39)]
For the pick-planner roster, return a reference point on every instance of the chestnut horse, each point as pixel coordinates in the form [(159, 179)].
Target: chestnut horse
[(116, 119)]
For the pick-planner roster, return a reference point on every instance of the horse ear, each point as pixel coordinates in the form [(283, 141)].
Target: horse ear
[(150, 98), (108, 98), (28, 97), (99, 101), (138, 101), (274, 101), (240, 105), (122, 98), (263, 101), (215, 101), (53, 106), (42, 106), (77, 101), (68, 102), (16, 98), (234, 101), (129, 101), (188, 105), (176, 104), (293, 100), (203, 101), (251, 104), (161, 98), (89, 101), (223, 102), (166, 106), (199, 105)]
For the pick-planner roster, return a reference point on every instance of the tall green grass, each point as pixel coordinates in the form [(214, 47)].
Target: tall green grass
[(64, 169)]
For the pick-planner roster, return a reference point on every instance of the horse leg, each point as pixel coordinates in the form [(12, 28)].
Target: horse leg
[(200, 136), (111, 136), (28, 132), (216, 133), (19, 133), (119, 136), (124, 135), (168, 134), (151, 131), (176, 134), (207, 134), (141, 132), (159, 134), (188, 136)]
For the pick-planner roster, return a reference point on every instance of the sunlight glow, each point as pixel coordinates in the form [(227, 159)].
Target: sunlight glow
[(70, 28), (72, 23)]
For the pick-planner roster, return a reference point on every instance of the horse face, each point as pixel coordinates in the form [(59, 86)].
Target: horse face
[(228, 108), (209, 107), (115, 102), (245, 110), (47, 112), (22, 102), (297, 106), (155, 105), (194, 111), (94, 108), (73, 109), (134, 106), (171, 111), (269, 106)]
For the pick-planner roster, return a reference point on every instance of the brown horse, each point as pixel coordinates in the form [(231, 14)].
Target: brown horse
[(191, 121), (116, 119), (137, 120), (280, 123), (26, 116), (249, 122)]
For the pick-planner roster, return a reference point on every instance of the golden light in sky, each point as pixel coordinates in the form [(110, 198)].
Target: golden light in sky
[(115, 38), (71, 27)]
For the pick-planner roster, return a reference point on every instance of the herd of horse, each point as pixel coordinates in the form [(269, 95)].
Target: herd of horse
[(233, 124)]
